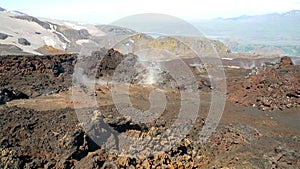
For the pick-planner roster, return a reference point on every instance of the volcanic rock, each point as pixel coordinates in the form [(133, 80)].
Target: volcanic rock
[(37, 75), (23, 41), (33, 19), (271, 88), (3, 36), (8, 95), (2, 9)]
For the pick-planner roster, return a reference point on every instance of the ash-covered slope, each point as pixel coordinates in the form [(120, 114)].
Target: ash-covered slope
[(24, 34), (27, 34)]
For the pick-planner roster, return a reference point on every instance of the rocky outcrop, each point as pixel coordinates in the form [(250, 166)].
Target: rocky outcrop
[(111, 65), (269, 88), (72, 34), (7, 95), (2, 9), (115, 30), (33, 19), (23, 41), (11, 50), (3, 36), (37, 75), (109, 62), (113, 62)]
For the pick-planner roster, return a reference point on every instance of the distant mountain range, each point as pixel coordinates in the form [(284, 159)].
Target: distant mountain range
[(293, 13), (250, 33)]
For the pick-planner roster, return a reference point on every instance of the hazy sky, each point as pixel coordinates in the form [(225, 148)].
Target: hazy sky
[(100, 11)]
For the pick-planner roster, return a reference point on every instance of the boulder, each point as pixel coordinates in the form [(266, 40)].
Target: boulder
[(7, 95), (3, 36), (285, 61), (24, 42)]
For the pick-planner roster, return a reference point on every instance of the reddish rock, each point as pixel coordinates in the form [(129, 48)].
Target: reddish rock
[(270, 89), (37, 75), (285, 61)]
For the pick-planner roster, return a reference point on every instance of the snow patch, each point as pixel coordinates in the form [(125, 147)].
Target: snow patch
[(196, 65), (234, 67), (66, 39), (17, 13), (227, 58), (130, 40), (74, 26), (49, 41), (53, 27), (293, 13), (82, 41)]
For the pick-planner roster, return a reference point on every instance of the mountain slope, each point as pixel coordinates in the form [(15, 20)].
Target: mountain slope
[(24, 34), (246, 33), (2, 9), (31, 30), (16, 28)]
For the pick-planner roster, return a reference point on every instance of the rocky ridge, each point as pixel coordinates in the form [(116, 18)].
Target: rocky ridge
[(270, 87)]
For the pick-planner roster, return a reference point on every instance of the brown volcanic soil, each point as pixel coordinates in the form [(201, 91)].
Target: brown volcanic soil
[(44, 132), (246, 138), (271, 88), (37, 75)]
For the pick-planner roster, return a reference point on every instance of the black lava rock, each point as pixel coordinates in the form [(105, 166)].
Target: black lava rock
[(24, 42), (58, 69), (3, 36), (8, 95)]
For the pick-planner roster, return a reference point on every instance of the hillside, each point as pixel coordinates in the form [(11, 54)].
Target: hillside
[(28, 34), (23, 34), (247, 33)]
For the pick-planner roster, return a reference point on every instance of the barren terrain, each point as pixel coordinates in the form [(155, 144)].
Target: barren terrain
[(257, 129)]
